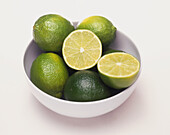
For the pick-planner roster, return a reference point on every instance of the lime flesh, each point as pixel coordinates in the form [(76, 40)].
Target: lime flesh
[(82, 49)]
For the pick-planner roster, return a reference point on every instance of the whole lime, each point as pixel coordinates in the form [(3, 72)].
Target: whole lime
[(50, 30), (49, 73), (85, 85), (101, 26), (111, 51)]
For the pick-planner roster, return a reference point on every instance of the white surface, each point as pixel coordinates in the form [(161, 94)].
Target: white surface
[(79, 109), (146, 112)]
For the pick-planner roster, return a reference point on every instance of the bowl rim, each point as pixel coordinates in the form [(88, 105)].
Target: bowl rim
[(76, 102)]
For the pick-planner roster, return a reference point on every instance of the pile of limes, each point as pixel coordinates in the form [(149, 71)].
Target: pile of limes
[(74, 65)]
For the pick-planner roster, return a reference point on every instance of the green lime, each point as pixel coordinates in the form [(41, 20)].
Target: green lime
[(50, 30), (111, 51), (85, 85), (101, 26), (81, 49), (49, 73), (118, 70)]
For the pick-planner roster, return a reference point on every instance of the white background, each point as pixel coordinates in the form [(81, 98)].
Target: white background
[(146, 112)]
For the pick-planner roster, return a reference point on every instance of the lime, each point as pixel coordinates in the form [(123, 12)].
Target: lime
[(101, 26), (50, 30), (118, 70), (81, 49), (84, 86), (49, 73), (111, 51)]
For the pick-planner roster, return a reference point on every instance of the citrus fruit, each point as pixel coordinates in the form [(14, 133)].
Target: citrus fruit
[(81, 49), (50, 30), (101, 26), (84, 86), (111, 51), (118, 70), (49, 73)]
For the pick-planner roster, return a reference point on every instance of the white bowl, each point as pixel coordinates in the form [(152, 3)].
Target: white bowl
[(81, 109)]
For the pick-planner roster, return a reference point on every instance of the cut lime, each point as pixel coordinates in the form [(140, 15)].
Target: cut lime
[(118, 70), (82, 49)]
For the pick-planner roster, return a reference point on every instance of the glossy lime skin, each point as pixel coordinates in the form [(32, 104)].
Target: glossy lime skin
[(101, 26), (111, 51), (49, 73), (49, 32), (118, 83), (85, 85)]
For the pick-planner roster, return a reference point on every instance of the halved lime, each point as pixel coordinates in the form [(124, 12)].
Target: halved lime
[(82, 49), (118, 70)]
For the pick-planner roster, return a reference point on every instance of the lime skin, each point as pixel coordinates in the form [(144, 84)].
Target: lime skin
[(118, 83), (85, 85), (111, 51), (49, 73), (101, 26), (49, 32)]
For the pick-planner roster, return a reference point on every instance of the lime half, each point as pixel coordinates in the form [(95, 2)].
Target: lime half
[(118, 70), (82, 49)]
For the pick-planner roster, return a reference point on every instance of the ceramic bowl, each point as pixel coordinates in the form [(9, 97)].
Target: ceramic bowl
[(81, 109)]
